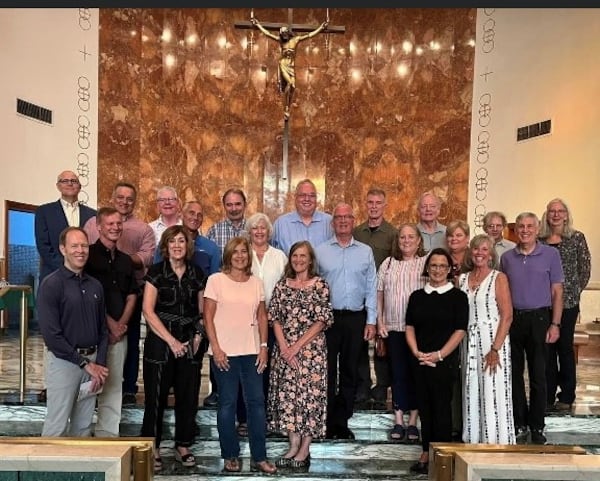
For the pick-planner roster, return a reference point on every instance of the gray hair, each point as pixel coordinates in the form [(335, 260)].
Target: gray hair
[(166, 188), (527, 215), (487, 218), (254, 220)]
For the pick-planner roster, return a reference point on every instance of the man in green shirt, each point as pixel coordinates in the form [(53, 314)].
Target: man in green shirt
[(379, 234)]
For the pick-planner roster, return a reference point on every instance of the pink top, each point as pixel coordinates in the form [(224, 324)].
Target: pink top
[(235, 320)]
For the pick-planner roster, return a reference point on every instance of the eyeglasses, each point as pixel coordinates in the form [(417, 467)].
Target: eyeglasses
[(343, 217), (68, 181), (163, 200), (557, 211), (438, 267), (494, 226)]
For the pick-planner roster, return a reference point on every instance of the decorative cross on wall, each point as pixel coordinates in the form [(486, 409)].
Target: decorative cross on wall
[(288, 40)]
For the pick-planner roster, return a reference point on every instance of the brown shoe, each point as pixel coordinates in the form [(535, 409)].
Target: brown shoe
[(232, 465), (264, 467), (561, 406)]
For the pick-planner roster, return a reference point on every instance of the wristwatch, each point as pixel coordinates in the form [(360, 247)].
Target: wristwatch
[(557, 324), (264, 344), (84, 362)]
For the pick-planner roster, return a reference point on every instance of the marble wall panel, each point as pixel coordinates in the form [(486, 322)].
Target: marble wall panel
[(187, 99)]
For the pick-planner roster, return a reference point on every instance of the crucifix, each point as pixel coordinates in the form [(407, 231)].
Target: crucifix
[(288, 41)]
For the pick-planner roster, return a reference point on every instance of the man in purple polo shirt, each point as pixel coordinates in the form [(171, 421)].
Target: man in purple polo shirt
[(536, 278)]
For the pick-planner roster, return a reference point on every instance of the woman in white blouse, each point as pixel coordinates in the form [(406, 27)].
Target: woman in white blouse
[(268, 264)]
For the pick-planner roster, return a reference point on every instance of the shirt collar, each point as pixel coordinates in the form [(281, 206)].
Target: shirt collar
[(69, 204), (440, 289)]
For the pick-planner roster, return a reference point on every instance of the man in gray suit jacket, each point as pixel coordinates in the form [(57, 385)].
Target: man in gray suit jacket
[(52, 218)]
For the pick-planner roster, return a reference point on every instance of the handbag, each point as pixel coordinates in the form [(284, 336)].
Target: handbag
[(380, 346)]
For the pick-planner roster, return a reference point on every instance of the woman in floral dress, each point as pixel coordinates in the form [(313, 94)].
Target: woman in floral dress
[(299, 311)]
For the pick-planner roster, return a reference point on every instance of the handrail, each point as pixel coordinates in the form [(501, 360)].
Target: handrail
[(23, 333)]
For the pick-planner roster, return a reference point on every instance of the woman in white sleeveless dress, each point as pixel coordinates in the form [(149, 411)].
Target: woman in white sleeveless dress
[(486, 363)]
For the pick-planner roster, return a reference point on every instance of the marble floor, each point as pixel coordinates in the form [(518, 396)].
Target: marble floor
[(371, 456)]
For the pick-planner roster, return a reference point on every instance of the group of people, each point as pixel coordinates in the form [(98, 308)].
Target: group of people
[(286, 312)]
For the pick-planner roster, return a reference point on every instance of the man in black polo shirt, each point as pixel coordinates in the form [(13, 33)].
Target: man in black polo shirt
[(73, 324), (114, 269)]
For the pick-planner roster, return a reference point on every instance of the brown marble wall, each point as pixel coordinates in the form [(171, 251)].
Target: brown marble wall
[(187, 99)]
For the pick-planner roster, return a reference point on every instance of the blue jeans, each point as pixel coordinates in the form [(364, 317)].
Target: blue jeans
[(242, 371)]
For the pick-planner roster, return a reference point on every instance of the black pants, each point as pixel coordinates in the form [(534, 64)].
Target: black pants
[(561, 368), (344, 340), (434, 400), (159, 376), (528, 338), (382, 376), (363, 380), (132, 359)]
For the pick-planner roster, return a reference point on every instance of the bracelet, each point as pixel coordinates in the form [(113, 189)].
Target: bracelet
[(440, 356), (494, 349), (556, 324), (264, 344)]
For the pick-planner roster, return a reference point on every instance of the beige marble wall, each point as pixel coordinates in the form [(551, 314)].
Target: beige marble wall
[(188, 100)]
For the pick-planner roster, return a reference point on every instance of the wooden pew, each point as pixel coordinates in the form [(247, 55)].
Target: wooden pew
[(441, 455), (141, 461)]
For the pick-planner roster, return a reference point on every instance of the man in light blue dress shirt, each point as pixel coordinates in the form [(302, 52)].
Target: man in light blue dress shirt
[(348, 266), (305, 223)]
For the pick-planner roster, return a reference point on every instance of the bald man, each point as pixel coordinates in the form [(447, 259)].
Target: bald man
[(52, 218)]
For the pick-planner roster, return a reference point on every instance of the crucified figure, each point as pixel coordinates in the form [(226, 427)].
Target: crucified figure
[(287, 72)]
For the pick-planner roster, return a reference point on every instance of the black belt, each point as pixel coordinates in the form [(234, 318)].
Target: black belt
[(86, 351), (539, 310)]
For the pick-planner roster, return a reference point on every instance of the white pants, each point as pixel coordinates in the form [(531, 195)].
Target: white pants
[(111, 397), (65, 416)]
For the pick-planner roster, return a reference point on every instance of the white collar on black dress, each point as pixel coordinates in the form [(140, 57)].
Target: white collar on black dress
[(440, 289)]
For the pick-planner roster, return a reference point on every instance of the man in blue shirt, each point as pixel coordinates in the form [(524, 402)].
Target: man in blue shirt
[(348, 266), (207, 255), (72, 321), (306, 223)]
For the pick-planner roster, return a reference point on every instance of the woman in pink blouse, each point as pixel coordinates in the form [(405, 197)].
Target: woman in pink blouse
[(235, 320)]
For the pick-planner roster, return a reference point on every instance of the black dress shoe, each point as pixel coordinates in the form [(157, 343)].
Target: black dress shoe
[(129, 399), (344, 433), (420, 468), (212, 400)]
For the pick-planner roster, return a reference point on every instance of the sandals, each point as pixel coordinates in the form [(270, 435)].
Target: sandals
[(283, 462), (187, 460), (300, 464), (397, 433), (242, 429), (232, 465), (264, 467), (412, 434)]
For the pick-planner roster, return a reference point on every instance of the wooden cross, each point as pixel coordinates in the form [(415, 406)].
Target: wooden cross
[(292, 27)]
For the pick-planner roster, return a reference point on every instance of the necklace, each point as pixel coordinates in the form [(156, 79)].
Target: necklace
[(477, 278)]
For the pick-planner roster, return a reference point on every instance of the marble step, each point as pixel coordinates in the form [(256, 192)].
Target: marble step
[(371, 456)]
